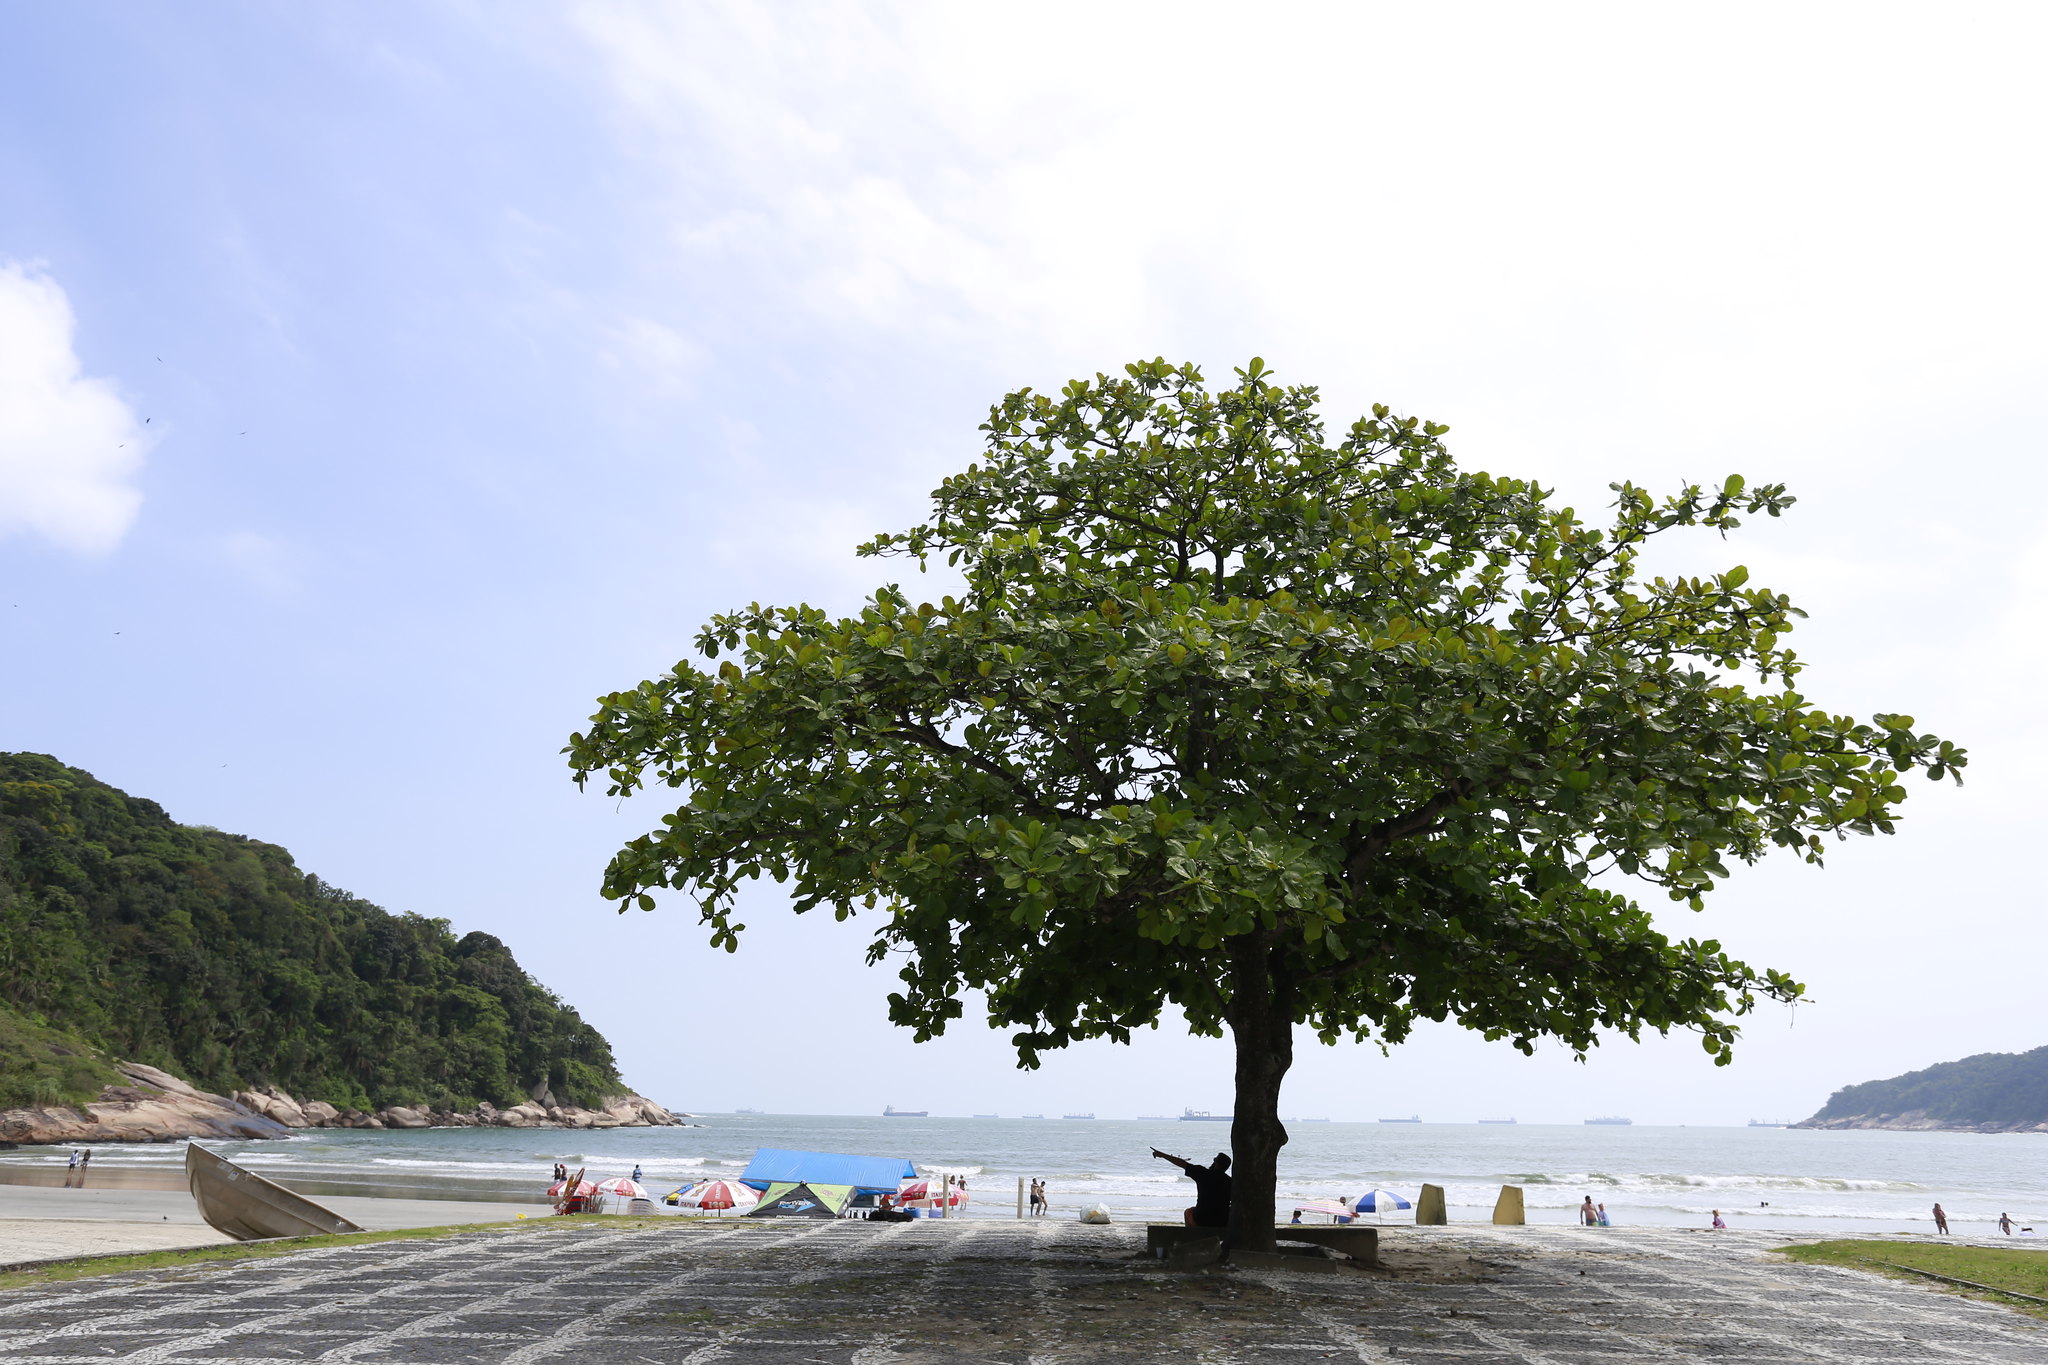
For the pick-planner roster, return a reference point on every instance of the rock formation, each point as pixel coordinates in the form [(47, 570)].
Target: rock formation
[(1920, 1121), (158, 1107)]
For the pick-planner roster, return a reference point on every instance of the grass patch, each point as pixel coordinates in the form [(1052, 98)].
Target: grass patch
[(87, 1266), (1996, 1272), (44, 1066)]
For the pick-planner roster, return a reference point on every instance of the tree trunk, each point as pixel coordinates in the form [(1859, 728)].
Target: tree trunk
[(1262, 1027)]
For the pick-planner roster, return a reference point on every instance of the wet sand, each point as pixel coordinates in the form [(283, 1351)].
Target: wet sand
[(38, 1222)]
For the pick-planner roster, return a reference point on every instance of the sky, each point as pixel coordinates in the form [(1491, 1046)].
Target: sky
[(382, 383)]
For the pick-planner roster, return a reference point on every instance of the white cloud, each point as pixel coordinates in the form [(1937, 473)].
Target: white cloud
[(1760, 226), (660, 359), (69, 446)]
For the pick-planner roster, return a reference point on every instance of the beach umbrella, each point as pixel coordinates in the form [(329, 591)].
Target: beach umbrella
[(930, 1194), (622, 1187), (560, 1189), (714, 1195), (1379, 1201)]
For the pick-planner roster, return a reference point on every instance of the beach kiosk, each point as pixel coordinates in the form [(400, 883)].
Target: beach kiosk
[(837, 1182)]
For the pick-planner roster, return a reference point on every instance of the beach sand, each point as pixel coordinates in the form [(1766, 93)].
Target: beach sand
[(38, 1222)]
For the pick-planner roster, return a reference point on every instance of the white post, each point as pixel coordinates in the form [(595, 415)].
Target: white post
[(1020, 1196)]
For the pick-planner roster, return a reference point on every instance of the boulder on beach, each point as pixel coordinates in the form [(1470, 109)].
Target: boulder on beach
[(158, 1107)]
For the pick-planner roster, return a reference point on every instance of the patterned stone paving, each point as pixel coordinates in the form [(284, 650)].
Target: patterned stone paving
[(1029, 1293)]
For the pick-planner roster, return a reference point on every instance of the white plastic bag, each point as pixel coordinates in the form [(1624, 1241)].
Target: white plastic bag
[(1095, 1213)]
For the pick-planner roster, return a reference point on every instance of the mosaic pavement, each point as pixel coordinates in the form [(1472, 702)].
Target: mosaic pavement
[(1038, 1293)]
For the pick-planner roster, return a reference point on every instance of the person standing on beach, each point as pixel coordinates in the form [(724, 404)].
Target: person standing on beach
[(1940, 1221), (1212, 1190), (2005, 1223), (1600, 1213), (1587, 1215)]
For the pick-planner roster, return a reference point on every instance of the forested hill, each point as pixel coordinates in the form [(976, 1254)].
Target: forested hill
[(213, 957), (1993, 1090)]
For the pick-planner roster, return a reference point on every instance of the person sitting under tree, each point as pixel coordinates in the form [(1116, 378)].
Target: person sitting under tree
[(1212, 1190)]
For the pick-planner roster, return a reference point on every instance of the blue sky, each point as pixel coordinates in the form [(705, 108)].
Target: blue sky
[(381, 383)]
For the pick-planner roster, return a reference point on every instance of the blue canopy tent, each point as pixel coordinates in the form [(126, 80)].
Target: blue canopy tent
[(867, 1174)]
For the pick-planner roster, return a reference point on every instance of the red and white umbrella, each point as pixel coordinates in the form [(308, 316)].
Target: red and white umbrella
[(717, 1194), (560, 1189), (623, 1187), (931, 1194)]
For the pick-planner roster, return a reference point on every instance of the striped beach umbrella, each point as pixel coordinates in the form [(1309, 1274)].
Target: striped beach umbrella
[(715, 1195), (622, 1187), (930, 1194)]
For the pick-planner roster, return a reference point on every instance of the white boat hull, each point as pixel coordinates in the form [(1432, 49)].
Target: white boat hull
[(247, 1207)]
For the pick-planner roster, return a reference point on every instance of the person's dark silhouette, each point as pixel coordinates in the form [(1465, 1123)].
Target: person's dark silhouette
[(1212, 1190)]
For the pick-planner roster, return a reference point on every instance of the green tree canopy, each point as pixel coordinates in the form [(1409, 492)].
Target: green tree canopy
[(1269, 729)]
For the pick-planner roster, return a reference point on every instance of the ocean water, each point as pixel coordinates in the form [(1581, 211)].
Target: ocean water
[(1797, 1180)]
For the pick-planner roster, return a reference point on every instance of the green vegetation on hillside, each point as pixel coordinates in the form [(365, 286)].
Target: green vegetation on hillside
[(2017, 1271), (214, 957), (1991, 1087), (40, 1065)]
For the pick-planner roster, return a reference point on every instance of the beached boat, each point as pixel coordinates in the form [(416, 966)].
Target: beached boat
[(246, 1206), (890, 1111), (1204, 1116)]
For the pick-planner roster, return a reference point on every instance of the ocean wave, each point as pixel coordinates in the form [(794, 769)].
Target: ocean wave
[(523, 1167), (1655, 1180)]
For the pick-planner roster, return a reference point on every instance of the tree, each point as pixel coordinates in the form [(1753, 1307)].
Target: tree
[(1269, 730)]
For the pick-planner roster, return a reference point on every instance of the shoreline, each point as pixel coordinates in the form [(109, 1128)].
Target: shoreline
[(38, 1222)]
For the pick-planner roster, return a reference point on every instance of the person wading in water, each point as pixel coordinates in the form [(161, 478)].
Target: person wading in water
[(1212, 1190)]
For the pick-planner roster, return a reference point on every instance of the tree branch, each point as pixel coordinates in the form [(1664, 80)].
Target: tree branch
[(1395, 828)]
